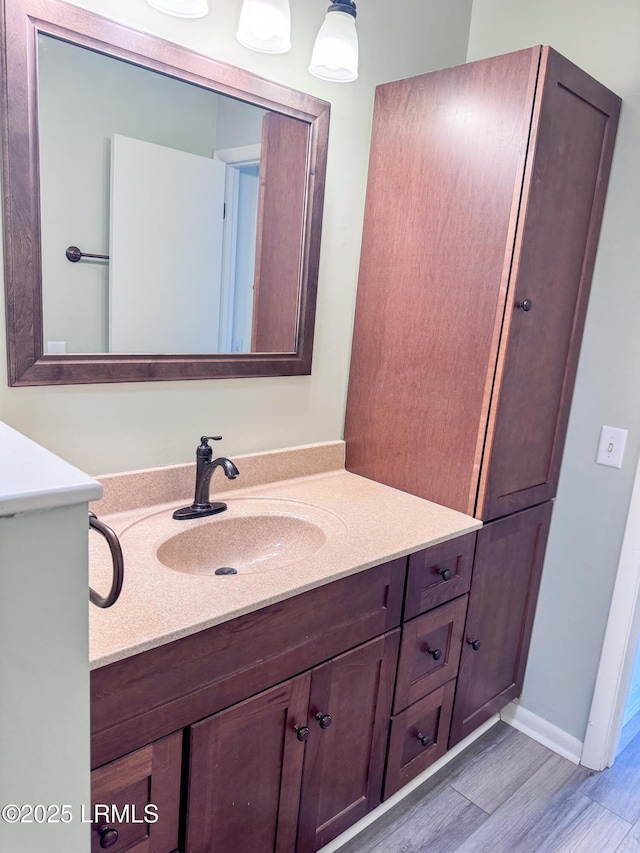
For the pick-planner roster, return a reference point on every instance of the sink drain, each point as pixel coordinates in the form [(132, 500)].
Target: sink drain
[(226, 570)]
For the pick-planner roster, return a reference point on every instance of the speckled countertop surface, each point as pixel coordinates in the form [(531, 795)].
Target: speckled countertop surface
[(365, 524)]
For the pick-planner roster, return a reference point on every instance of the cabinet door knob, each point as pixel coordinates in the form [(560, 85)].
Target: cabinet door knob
[(108, 836), (302, 732), (445, 574), (324, 720), (475, 644), (525, 305), (436, 654), (424, 740)]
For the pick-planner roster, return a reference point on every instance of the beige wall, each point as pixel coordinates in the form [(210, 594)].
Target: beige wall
[(118, 427), (75, 169), (592, 503)]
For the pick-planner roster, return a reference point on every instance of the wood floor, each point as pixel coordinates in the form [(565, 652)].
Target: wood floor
[(508, 794)]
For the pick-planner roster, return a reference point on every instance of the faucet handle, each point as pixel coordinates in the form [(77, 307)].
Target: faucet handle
[(205, 439)]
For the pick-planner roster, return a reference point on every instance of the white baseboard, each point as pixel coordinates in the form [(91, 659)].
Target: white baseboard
[(367, 820), (543, 731)]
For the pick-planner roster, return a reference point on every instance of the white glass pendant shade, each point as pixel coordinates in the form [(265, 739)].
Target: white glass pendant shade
[(181, 8), (335, 53), (265, 25)]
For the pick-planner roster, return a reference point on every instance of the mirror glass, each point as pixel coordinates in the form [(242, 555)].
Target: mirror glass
[(169, 182), (162, 209)]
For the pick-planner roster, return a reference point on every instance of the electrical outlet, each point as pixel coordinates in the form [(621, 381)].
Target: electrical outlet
[(611, 446)]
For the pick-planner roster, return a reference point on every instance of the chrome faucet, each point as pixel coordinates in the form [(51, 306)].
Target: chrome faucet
[(205, 467)]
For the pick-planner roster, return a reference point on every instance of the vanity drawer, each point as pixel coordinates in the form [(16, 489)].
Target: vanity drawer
[(148, 777), (418, 737), (439, 574), (430, 652)]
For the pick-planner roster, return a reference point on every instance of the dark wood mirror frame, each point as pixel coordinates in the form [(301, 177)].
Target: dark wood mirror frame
[(22, 22)]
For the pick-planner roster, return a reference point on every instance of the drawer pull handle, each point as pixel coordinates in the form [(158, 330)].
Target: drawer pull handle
[(302, 732), (445, 574), (424, 740), (436, 654), (324, 720), (525, 305), (475, 644), (108, 836)]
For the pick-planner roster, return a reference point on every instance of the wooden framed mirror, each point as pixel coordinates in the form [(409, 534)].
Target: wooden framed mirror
[(162, 210)]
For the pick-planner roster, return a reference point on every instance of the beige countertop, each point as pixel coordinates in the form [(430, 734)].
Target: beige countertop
[(365, 523)]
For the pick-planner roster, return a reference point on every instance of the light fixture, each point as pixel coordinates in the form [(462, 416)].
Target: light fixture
[(181, 8), (265, 25), (335, 53)]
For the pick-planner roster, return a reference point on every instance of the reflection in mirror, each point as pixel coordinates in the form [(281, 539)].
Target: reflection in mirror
[(199, 187), (162, 177)]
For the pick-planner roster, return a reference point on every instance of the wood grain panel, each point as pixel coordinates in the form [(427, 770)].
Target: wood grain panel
[(421, 814), (441, 824), (429, 652), (408, 756), (438, 574), (502, 603), (566, 184), (534, 817), (343, 766), (447, 162), (141, 698), (149, 776), (281, 205), (245, 773), (503, 769)]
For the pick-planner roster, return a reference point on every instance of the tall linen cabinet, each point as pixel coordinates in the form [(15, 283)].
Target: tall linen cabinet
[(485, 196)]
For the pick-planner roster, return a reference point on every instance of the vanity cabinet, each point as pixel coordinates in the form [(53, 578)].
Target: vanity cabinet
[(502, 601), (429, 656), (425, 686), (245, 771), (418, 736), (250, 772), (135, 800), (430, 651), (277, 730), (438, 574), (344, 761), (303, 760), (484, 202)]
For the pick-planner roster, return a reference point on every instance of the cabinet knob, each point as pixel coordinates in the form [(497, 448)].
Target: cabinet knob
[(424, 740), (108, 836), (302, 732), (525, 305), (324, 720), (475, 644), (436, 654), (445, 574)]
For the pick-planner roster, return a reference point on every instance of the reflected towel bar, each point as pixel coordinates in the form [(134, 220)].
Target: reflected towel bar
[(74, 255)]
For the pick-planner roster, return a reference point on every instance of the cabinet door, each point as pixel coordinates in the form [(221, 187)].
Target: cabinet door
[(442, 199), (126, 787), (575, 121), (502, 602), (245, 772), (349, 713)]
